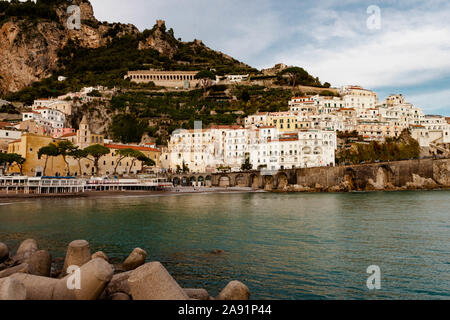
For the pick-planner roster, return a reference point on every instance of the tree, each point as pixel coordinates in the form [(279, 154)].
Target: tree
[(206, 78), (65, 148), (48, 151), (185, 168), (246, 166), (11, 158), (79, 154), (122, 153), (297, 74), (139, 156), (128, 128), (146, 161), (96, 151)]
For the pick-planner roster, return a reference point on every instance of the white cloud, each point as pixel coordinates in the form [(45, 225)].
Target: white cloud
[(327, 38), (437, 102)]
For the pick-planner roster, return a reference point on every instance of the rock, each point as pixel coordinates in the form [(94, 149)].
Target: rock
[(135, 259), (217, 251), (37, 288), (78, 253), (4, 252), (40, 263), (100, 254), (198, 294), (152, 282), (120, 296), (26, 250), (119, 283), (234, 290), (94, 276), (11, 289), (21, 268)]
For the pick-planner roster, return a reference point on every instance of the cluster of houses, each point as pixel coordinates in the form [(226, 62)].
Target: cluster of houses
[(304, 136), (46, 122)]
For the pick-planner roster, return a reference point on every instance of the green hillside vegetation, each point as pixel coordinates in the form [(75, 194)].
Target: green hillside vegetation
[(401, 148), (173, 110), (108, 65), (41, 10)]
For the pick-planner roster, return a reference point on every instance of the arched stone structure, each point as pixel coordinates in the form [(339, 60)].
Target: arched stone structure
[(282, 180), (268, 183), (241, 181), (224, 181)]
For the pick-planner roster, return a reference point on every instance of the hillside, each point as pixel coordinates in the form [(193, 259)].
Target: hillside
[(36, 48)]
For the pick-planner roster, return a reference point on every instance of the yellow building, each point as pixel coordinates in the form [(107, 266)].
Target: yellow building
[(28, 146), (283, 121), (127, 165), (84, 137)]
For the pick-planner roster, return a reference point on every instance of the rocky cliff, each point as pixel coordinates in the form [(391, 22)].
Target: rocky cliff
[(29, 47)]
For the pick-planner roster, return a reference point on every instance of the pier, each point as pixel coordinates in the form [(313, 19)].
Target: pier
[(61, 185)]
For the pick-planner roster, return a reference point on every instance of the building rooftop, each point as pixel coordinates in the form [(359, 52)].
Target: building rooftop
[(124, 146)]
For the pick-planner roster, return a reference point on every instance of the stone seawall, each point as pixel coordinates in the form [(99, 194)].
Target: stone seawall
[(396, 175)]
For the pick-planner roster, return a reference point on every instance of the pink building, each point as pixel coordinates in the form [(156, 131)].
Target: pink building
[(59, 132)]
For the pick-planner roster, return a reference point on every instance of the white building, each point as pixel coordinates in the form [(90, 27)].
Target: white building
[(56, 104), (358, 97), (227, 147), (46, 117)]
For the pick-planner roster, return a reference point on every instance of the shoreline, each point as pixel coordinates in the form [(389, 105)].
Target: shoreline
[(4, 198), (104, 194)]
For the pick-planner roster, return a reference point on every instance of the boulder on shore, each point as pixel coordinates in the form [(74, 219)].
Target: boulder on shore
[(119, 283), (40, 263), (26, 250), (234, 290), (4, 252), (152, 282), (93, 277), (11, 289), (135, 259), (197, 294), (78, 253), (21, 268), (100, 254)]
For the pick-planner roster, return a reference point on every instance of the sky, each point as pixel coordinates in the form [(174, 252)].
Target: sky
[(389, 46)]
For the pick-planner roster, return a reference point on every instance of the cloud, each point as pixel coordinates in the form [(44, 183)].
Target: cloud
[(437, 102), (330, 39)]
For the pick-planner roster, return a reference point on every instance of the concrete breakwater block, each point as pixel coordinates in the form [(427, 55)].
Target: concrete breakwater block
[(93, 277), (78, 253), (40, 263), (11, 289), (4, 252), (234, 290), (119, 283), (100, 254), (120, 296), (197, 294), (153, 282), (37, 287), (26, 250), (135, 259), (21, 268)]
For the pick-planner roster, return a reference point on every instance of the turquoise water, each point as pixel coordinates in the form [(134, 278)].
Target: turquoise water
[(283, 246)]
